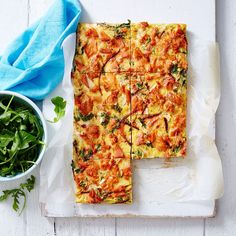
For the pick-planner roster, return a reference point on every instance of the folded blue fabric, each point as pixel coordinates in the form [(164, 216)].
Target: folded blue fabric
[(33, 64)]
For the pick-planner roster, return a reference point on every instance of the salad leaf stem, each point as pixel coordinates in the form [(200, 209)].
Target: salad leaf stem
[(19, 193)]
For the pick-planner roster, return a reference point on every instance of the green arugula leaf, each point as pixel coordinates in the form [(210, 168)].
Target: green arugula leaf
[(98, 147), (176, 149), (85, 117), (139, 154), (16, 145), (117, 107), (26, 139), (18, 193), (5, 117), (3, 150), (119, 33), (105, 119), (6, 137), (60, 108), (72, 165), (174, 69), (85, 154), (142, 121), (16, 201), (29, 185), (6, 194), (139, 85)]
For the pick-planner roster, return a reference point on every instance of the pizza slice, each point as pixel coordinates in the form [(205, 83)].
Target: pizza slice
[(157, 47), (158, 115), (157, 136), (103, 180), (102, 138), (103, 48)]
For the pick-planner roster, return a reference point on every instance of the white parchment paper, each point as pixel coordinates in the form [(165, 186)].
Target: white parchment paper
[(159, 186)]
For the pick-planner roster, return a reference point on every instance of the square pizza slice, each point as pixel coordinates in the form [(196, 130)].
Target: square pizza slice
[(158, 136), (107, 93), (103, 180), (103, 100), (158, 118), (103, 48), (153, 94), (158, 47)]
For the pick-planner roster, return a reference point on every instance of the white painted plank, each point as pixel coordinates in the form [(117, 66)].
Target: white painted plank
[(224, 222), (160, 227), (108, 11), (85, 227), (105, 226), (13, 19), (198, 15), (10, 222), (37, 8), (36, 224)]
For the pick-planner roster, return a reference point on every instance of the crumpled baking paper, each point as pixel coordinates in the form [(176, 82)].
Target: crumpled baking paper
[(158, 185)]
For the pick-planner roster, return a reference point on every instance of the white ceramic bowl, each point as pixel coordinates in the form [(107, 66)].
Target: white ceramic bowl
[(28, 103)]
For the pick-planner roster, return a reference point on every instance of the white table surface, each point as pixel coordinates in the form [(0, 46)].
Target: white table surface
[(17, 15)]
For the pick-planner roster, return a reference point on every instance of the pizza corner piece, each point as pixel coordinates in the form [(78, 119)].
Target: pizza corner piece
[(103, 47), (154, 47), (102, 170), (102, 180), (102, 138)]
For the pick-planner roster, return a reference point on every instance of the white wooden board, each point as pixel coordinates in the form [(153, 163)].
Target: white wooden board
[(152, 11), (15, 16), (224, 222), (200, 18), (198, 15)]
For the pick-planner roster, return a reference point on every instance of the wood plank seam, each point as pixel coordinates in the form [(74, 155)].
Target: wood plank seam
[(204, 227), (25, 222), (28, 12), (115, 226), (54, 228)]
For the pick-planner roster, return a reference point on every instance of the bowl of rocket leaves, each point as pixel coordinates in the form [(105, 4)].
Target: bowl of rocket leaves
[(23, 136)]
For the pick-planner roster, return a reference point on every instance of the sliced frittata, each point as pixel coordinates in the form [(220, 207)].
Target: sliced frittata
[(103, 180), (102, 138), (130, 100), (158, 115), (103, 48), (157, 47)]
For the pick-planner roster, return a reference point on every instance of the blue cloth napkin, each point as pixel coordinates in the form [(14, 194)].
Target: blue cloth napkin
[(33, 64)]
